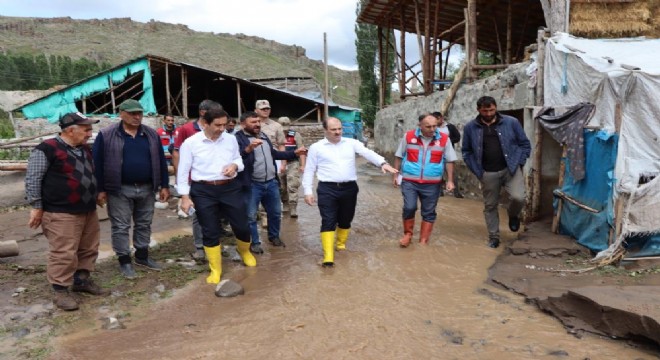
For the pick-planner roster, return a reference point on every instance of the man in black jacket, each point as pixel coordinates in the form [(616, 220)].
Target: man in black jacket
[(259, 178)]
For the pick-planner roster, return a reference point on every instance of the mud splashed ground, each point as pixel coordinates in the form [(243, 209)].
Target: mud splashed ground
[(379, 302)]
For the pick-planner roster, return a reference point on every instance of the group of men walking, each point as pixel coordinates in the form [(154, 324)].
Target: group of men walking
[(227, 175)]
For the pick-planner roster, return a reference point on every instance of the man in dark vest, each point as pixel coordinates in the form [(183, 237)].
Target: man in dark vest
[(61, 188), (130, 168)]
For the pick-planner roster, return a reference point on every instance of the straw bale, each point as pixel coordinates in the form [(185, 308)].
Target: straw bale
[(614, 19)]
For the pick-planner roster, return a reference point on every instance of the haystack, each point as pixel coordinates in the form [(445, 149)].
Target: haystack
[(615, 19)]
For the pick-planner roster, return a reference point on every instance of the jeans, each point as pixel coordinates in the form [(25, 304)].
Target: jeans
[(492, 183), (268, 194), (428, 199), (133, 202)]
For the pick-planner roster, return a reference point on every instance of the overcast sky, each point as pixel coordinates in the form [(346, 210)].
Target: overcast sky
[(291, 22)]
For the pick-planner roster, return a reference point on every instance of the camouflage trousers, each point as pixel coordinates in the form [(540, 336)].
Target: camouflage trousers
[(289, 184)]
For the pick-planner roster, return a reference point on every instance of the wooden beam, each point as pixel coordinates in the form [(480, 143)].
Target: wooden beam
[(428, 54), (472, 38), (562, 171), (112, 94), (451, 29), (167, 89), (402, 41), (184, 93), (490, 67), (540, 67), (508, 34), (537, 168), (453, 88), (419, 42), (18, 141), (499, 44), (380, 65), (238, 99)]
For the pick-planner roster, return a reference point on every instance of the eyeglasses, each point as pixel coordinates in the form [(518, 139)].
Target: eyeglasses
[(265, 109)]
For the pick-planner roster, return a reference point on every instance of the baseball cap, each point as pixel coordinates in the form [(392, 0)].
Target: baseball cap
[(131, 105), (284, 120), (75, 118), (262, 104)]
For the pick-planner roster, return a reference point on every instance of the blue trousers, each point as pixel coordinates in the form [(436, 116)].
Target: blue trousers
[(428, 199), (268, 194)]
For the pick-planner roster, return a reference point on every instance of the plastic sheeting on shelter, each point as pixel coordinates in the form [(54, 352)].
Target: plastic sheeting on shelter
[(594, 190), (598, 71), (61, 102)]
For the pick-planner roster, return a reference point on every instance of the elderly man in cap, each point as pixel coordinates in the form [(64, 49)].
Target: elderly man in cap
[(290, 180), (61, 188), (130, 168)]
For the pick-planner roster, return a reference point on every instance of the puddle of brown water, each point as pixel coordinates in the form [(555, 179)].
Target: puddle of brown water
[(378, 302)]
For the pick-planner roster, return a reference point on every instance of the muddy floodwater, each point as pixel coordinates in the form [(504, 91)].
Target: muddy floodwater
[(379, 302)]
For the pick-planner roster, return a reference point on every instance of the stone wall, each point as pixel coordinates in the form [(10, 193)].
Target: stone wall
[(509, 88)]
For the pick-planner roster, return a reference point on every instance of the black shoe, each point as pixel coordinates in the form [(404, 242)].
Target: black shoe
[(127, 270), (277, 242), (148, 263), (493, 243), (457, 194), (514, 223), (256, 249)]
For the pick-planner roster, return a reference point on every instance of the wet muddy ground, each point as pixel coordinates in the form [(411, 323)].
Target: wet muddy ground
[(379, 301)]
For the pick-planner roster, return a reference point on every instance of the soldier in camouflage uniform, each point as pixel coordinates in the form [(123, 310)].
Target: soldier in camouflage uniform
[(291, 182)]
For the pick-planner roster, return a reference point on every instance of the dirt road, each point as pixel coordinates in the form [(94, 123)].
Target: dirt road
[(379, 301)]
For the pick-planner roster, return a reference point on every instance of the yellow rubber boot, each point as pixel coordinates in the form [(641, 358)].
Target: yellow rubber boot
[(243, 248), (328, 244), (214, 258), (342, 236)]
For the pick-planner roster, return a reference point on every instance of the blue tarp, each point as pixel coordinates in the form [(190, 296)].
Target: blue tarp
[(595, 190), (351, 121), (53, 106)]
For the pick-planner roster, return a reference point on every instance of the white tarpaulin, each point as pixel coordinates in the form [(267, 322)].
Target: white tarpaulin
[(598, 71)]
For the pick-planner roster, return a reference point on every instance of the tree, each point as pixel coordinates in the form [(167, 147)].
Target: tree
[(366, 47)]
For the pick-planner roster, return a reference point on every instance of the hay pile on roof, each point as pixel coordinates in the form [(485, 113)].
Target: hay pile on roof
[(615, 19)]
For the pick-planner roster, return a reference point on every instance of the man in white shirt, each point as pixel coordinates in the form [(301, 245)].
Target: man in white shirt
[(333, 161), (212, 159)]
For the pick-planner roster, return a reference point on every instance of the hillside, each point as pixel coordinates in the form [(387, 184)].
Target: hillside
[(117, 40)]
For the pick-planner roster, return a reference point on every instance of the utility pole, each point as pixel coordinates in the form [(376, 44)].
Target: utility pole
[(325, 68)]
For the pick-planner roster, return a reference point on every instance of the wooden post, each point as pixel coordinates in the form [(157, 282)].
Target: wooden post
[(84, 106), (381, 67), (386, 64), (618, 203), (167, 89), (428, 54), (537, 168), (508, 34), (402, 80), (112, 94), (468, 65), (325, 72), (238, 99), (452, 90), (472, 38), (184, 92), (422, 57), (318, 114), (540, 67), (560, 201), (436, 39)]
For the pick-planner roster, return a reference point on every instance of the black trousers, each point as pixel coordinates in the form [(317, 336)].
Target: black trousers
[(214, 201), (337, 204)]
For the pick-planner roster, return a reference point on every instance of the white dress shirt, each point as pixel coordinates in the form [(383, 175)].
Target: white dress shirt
[(201, 158), (335, 162)]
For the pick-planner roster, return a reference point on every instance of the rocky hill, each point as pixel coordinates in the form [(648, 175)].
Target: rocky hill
[(120, 39)]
